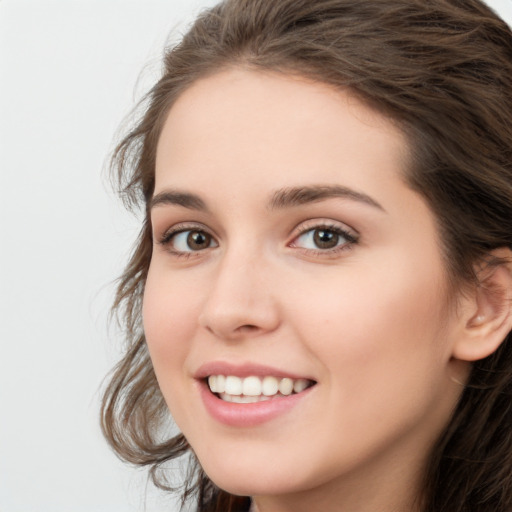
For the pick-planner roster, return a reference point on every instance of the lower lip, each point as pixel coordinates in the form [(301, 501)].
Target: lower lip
[(248, 415)]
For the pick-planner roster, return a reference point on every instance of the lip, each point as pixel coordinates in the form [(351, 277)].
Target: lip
[(246, 415), (244, 370)]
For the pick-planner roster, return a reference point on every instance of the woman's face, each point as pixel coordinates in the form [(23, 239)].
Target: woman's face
[(290, 253)]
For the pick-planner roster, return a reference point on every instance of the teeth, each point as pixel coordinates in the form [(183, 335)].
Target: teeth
[(221, 384), (286, 386), (270, 386), (212, 382), (241, 399), (253, 389), (233, 385), (251, 386), (298, 386)]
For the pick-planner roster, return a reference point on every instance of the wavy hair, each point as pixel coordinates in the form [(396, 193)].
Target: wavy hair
[(441, 69)]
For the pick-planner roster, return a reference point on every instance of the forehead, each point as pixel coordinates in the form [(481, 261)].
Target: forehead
[(255, 127)]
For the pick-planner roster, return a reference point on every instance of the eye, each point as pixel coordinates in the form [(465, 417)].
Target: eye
[(324, 238), (188, 240)]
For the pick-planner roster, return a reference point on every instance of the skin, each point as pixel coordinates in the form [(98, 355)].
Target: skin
[(369, 321)]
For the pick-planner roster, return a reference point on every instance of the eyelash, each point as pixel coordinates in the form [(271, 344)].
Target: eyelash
[(166, 239), (351, 239)]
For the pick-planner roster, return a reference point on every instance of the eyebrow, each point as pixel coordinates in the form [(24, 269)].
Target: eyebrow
[(296, 196), (176, 197), (281, 199)]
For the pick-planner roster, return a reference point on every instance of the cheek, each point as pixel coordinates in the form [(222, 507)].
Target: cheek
[(170, 306), (170, 315), (382, 325), (379, 340)]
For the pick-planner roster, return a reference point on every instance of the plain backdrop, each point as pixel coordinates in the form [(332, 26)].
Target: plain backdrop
[(70, 71)]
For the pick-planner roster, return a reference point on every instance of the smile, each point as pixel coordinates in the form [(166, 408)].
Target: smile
[(254, 389)]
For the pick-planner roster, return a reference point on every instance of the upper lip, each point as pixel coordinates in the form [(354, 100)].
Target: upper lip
[(243, 370)]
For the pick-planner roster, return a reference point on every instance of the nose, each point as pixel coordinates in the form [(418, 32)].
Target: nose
[(241, 301)]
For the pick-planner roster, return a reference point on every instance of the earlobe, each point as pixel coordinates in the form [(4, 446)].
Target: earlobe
[(488, 317)]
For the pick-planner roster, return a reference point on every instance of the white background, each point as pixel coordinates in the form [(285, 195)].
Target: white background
[(69, 71)]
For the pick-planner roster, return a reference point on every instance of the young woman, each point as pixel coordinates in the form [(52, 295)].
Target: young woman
[(321, 292)]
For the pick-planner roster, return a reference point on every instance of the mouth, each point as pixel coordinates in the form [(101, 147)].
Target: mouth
[(254, 389), (247, 395)]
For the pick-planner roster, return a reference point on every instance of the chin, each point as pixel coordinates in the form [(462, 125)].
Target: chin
[(243, 487), (250, 481)]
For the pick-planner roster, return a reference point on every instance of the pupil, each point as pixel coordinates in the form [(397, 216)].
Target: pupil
[(198, 240), (325, 239)]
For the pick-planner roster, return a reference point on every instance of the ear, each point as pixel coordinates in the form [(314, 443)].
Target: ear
[(487, 310)]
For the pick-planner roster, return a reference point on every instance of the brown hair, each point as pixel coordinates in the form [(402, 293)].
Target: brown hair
[(443, 70)]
